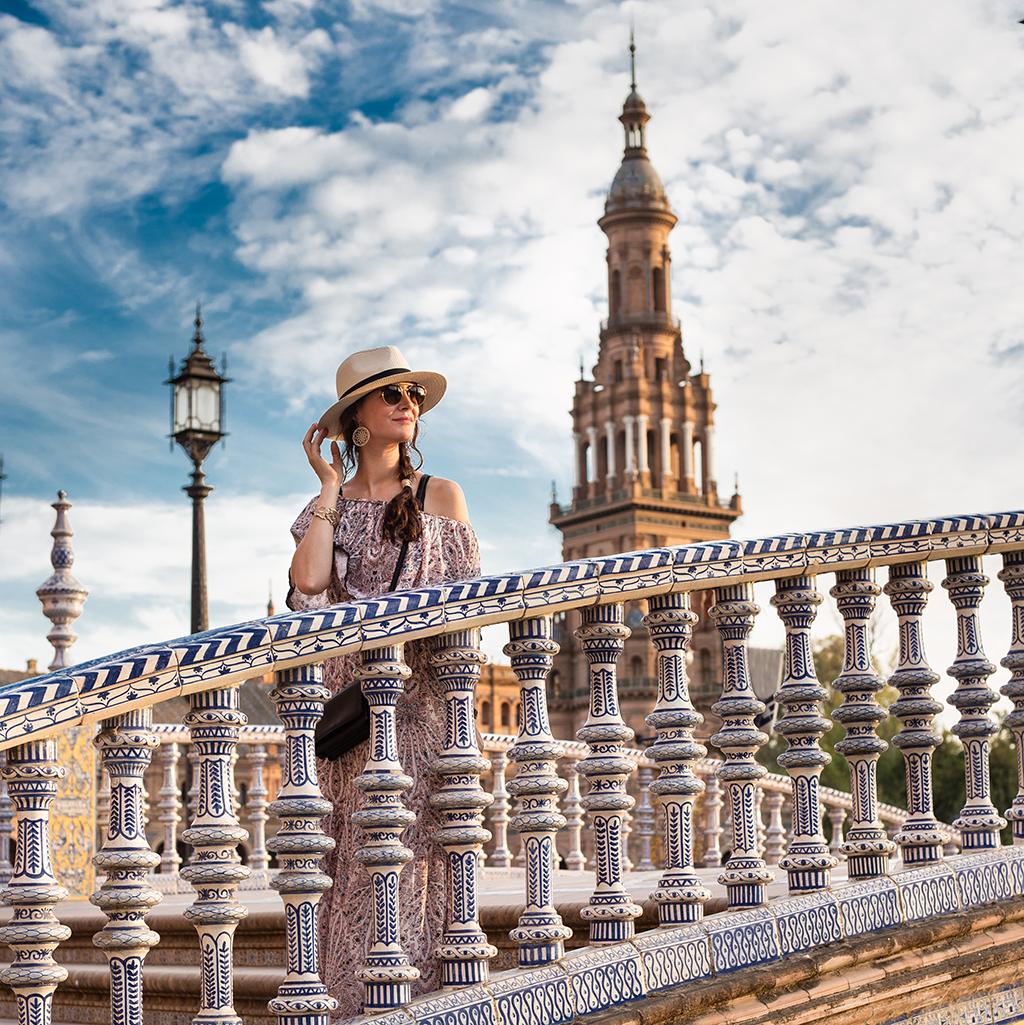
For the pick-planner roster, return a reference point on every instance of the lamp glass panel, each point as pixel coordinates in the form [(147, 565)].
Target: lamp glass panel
[(206, 406), (181, 407)]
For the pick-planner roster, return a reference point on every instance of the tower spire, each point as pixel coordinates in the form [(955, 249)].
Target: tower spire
[(632, 59)]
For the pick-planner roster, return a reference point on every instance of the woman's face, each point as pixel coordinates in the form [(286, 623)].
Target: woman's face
[(389, 422)]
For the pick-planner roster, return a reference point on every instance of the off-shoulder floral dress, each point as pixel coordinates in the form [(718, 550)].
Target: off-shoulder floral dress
[(364, 561)]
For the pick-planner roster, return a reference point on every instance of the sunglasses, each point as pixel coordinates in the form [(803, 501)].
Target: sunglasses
[(392, 393)]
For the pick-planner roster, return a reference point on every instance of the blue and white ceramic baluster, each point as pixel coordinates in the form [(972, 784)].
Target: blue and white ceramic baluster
[(807, 861), (464, 951), (126, 745), (867, 847), (712, 823), (501, 856), (979, 822), (256, 807), (537, 786), (33, 930), (300, 844), (644, 816), (606, 768), (746, 877), (572, 809), (6, 826), (386, 973), (170, 797), (921, 837), (680, 894), (215, 868), (1012, 576)]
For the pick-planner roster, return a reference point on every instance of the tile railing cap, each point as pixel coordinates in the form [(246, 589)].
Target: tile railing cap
[(224, 655)]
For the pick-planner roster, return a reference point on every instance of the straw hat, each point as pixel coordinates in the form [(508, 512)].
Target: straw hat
[(366, 371)]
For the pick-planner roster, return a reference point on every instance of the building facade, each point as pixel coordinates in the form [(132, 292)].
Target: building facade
[(643, 431)]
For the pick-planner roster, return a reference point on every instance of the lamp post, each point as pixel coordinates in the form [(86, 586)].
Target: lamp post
[(197, 418)]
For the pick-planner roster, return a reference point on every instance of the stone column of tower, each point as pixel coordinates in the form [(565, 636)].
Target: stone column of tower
[(73, 819), (648, 413)]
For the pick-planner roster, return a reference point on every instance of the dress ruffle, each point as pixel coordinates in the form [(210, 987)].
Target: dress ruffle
[(364, 562)]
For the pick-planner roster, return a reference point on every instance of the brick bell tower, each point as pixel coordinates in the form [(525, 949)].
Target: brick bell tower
[(643, 431)]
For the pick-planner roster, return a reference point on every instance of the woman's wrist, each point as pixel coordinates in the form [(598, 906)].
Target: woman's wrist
[(329, 494)]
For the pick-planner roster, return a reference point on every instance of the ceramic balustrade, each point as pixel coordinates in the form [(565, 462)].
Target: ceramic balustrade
[(535, 772)]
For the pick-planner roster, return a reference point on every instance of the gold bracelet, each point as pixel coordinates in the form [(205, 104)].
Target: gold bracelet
[(323, 513)]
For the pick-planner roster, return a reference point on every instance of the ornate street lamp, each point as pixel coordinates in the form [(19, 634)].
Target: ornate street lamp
[(197, 421)]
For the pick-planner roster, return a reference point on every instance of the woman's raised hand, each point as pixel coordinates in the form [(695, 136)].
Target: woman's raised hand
[(331, 473)]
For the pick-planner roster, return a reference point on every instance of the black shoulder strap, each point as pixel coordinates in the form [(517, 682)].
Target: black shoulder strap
[(420, 493)]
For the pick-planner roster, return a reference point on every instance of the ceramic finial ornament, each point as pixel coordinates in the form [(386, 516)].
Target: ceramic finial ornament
[(62, 595)]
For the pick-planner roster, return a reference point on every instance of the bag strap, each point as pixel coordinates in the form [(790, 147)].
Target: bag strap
[(400, 565)]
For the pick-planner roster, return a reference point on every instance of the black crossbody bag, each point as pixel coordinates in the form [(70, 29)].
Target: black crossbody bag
[(345, 723)]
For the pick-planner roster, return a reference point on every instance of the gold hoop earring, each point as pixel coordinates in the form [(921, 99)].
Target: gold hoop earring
[(360, 436)]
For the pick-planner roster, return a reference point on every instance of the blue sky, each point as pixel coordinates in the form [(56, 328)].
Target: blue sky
[(330, 176)]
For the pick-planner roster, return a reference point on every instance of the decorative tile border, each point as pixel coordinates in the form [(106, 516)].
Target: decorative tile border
[(294, 636), (635, 574), (217, 658), (401, 616), (228, 655), (591, 980), (495, 599), (568, 585)]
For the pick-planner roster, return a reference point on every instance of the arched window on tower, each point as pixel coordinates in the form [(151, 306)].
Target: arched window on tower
[(698, 467), (658, 288), (617, 371), (485, 717), (636, 668), (615, 294), (506, 715)]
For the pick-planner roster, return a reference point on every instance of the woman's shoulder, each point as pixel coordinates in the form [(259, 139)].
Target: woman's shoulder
[(445, 498)]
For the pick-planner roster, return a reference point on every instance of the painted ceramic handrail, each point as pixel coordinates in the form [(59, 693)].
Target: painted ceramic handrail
[(145, 675)]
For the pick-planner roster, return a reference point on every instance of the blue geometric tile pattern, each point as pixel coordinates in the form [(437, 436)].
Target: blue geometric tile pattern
[(37, 704), (674, 956), (135, 679), (983, 879), (566, 586), (806, 922), (636, 574), (402, 615), (604, 977), (742, 939), (847, 547), (485, 600), (228, 655), (1005, 530), (325, 632), (927, 892), (471, 1006), (783, 554), (869, 905), (541, 996), (1014, 857), (708, 561)]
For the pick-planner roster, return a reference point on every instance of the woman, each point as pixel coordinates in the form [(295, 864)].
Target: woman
[(348, 547)]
